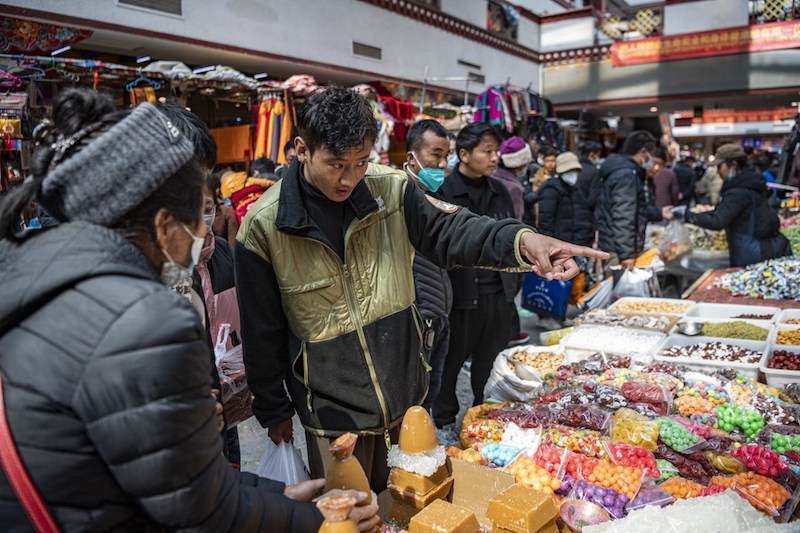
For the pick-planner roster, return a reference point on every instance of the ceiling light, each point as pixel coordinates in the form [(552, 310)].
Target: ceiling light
[(143, 59), (653, 109), (260, 75), (200, 70), (60, 50)]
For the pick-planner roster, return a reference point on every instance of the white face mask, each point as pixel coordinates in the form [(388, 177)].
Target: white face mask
[(172, 272), (209, 219), (570, 178)]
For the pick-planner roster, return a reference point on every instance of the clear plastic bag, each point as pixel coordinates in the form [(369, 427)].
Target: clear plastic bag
[(282, 462), (650, 494), (636, 282), (505, 385), (676, 243)]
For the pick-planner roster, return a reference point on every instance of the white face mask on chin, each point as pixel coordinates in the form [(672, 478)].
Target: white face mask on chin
[(570, 178)]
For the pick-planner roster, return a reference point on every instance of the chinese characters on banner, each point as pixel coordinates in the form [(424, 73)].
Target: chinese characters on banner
[(760, 38)]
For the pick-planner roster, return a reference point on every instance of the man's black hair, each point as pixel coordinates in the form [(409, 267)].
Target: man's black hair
[(337, 119), (288, 146), (661, 153), (548, 151), (262, 165), (190, 125), (417, 131), (589, 147), (471, 136), (636, 141)]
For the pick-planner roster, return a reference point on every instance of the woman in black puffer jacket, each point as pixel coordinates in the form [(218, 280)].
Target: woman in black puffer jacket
[(105, 371)]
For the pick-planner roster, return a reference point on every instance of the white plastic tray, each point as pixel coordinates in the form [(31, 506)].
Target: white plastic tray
[(773, 339), (748, 369), (689, 305), (776, 377), (760, 323), (787, 314), (577, 347), (704, 310)]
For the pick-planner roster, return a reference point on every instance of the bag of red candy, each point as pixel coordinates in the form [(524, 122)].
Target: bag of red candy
[(634, 456), (551, 458), (761, 460), (654, 395), (583, 416)]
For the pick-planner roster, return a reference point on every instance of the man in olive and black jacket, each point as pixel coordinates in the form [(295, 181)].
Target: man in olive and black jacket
[(326, 291)]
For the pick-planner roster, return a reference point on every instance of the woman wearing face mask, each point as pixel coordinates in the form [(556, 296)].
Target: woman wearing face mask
[(744, 212), (107, 421), (564, 213)]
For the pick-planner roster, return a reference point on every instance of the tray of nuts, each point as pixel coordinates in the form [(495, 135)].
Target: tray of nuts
[(532, 362), (652, 306)]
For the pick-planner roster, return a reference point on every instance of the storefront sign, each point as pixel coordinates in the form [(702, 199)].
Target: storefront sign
[(757, 38)]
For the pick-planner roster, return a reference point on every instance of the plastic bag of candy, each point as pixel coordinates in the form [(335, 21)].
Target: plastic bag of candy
[(527, 439), (666, 470), (578, 466), (584, 441), (704, 463), (630, 427), (598, 363), (760, 460), (482, 431), (762, 492), (470, 455), (687, 467), (583, 416), (718, 442), (667, 368), (790, 393), (682, 488), (677, 437), (609, 499), (624, 478), (655, 395), (498, 454), (650, 494), (528, 474), (524, 416), (551, 458), (700, 430), (633, 456), (730, 417), (771, 409), (725, 462)]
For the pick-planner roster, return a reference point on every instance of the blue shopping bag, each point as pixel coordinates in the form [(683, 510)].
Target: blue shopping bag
[(544, 297)]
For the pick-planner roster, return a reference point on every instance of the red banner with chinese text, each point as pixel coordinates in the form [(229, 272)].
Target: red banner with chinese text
[(757, 38)]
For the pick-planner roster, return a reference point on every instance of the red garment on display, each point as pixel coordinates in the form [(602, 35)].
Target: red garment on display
[(403, 113)]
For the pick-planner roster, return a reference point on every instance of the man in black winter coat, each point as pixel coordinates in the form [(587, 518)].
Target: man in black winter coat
[(428, 146), (622, 209), (481, 317), (564, 212)]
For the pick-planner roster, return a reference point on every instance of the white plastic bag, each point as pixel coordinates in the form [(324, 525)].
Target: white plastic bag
[(282, 462), (505, 385)]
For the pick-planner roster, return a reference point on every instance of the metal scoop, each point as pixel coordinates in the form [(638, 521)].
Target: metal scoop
[(690, 328)]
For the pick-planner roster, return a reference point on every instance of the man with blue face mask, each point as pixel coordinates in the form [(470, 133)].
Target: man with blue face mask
[(428, 144)]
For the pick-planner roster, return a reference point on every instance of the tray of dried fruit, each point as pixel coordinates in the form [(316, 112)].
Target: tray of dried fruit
[(643, 321)]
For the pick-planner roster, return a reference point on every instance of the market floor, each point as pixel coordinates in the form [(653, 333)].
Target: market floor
[(252, 437)]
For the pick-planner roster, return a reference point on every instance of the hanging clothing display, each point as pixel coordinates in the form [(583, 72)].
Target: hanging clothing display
[(518, 111), (275, 125), (233, 144)]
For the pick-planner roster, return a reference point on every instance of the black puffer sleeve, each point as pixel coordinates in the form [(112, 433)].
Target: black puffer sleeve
[(145, 399)]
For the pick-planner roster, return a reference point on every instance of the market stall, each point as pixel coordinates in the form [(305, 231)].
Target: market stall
[(772, 283), (651, 415)]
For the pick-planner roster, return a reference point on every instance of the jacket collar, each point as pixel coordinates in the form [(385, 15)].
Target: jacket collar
[(457, 187), (292, 216)]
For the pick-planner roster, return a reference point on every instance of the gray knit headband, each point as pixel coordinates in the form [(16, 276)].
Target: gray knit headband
[(119, 169)]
